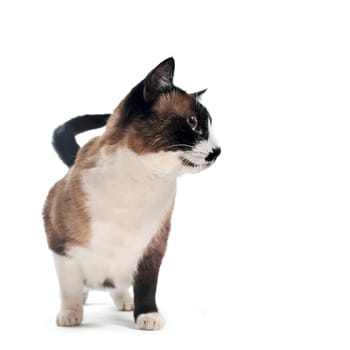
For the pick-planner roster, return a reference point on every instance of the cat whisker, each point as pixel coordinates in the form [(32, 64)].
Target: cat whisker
[(155, 141), (179, 145)]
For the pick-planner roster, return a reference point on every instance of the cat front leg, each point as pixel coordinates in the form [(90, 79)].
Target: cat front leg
[(71, 285), (146, 312)]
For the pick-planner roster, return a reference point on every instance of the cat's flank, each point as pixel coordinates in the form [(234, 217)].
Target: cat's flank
[(108, 220)]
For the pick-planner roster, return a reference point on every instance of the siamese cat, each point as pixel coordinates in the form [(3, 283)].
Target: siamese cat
[(108, 220)]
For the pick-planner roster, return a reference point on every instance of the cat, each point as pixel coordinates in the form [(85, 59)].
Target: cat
[(107, 221)]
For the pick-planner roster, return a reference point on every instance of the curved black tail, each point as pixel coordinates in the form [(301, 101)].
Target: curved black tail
[(64, 141)]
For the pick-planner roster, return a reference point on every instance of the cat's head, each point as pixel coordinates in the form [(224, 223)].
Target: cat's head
[(165, 123)]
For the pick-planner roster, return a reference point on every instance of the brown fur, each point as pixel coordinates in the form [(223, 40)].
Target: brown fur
[(174, 103), (113, 134), (65, 216)]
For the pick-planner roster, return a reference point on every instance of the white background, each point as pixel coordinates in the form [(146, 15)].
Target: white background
[(259, 252)]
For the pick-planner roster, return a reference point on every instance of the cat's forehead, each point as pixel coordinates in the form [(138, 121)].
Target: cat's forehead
[(174, 102)]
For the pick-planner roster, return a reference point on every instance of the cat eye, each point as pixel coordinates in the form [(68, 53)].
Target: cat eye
[(192, 121)]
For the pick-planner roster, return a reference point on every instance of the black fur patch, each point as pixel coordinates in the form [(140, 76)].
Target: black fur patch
[(60, 250), (145, 286), (159, 80), (108, 283), (59, 245), (64, 136)]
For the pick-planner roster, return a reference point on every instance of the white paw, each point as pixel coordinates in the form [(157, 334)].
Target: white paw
[(124, 301), (125, 305), (151, 322), (69, 317)]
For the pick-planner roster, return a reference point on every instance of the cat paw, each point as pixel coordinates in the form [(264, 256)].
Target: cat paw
[(151, 321), (123, 301), (69, 317), (125, 305)]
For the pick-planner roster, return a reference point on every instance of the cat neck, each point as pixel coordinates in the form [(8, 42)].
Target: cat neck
[(126, 167)]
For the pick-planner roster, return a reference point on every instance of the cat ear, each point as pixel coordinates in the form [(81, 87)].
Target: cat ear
[(198, 94), (159, 80)]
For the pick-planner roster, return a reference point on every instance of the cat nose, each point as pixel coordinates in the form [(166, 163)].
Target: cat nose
[(215, 152)]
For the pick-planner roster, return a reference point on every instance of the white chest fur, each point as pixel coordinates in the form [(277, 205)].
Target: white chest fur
[(127, 201)]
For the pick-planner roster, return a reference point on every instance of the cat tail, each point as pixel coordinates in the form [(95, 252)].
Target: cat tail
[(64, 141)]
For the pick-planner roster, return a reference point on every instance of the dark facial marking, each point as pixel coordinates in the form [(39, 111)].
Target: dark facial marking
[(108, 283)]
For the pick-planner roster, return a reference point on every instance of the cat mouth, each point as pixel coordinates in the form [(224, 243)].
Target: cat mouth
[(189, 164)]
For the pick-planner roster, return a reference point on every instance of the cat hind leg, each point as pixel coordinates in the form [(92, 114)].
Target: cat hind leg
[(71, 284)]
